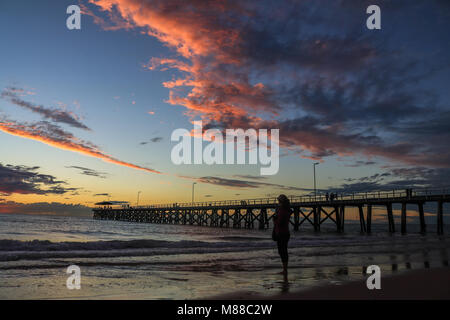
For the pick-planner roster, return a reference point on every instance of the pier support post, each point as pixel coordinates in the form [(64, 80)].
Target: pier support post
[(249, 218), (262, 218), (266, 219), (246, 219), (423, 227), (185, 216), (205, 217), (296, 219), (403, 217), (342, 216), (214, 218), (199, 217), (191, 216), (338, 218), (369, 218), (362, 222), (316, 218), (237, 218), (224, 217), (176, 216), (440, 218), (390, 218)]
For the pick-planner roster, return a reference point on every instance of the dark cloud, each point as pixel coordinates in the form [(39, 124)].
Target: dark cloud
[(46, 208), (154, 140), (89, 172), (398, 178), (25, 180), (360, 163), (238, 183), (233, 183), (56, 115), (247, 176), (102, 194), (375, 177), (113, 202)]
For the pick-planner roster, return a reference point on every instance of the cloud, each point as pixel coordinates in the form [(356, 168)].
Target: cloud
[(332, 91), (102, 195), (55, 136), (46, 208), (360, 163), (26, 180), (52, 134), (114, 23), (20, 91), (398, 178), (56, 115), (244, 184), (154, 140), (113, 202), (89, 172), (247, 176)]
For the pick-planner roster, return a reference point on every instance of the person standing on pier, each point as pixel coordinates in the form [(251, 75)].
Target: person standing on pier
[(281, 232)]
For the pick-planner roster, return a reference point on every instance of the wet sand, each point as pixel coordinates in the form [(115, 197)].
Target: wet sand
[(426, 284)]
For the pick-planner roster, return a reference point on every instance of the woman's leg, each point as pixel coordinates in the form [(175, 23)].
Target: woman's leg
[(282, 250), (285, 258)]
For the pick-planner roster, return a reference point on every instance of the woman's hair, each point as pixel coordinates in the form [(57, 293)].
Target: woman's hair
[(284, 201)]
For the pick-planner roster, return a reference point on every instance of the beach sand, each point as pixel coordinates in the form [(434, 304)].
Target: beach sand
[(424, 284)]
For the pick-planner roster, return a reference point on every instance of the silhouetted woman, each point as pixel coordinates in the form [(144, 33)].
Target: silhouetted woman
[(280, 232)]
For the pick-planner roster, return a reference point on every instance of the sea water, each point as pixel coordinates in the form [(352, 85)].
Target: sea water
[(124, 260)]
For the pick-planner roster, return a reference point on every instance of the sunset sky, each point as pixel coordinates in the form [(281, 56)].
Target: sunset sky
[(86, 115)]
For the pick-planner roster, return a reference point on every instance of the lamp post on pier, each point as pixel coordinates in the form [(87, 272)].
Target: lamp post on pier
[(137, 202), (314, 169), (194, 183)]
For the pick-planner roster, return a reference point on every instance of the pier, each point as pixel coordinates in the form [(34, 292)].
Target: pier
[(306, 210)]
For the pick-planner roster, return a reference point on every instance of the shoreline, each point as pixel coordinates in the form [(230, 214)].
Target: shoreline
[(424, 284)]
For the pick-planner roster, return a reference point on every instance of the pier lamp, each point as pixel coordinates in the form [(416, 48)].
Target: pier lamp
[(137, 203), (193, 192), (314, 169)]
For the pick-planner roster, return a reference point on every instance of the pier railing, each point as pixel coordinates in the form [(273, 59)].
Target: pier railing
[(310, 198)]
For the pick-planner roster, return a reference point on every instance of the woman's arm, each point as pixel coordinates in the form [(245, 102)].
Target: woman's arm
[(277, 214)]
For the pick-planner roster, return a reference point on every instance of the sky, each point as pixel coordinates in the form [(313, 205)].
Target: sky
[(87, 115)]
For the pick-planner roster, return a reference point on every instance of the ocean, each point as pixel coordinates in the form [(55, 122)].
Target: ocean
[(123, 260)]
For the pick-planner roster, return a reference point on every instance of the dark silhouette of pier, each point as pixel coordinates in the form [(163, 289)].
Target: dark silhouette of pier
[(310, 209)]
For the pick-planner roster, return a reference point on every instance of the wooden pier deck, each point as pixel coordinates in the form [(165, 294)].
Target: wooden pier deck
[(312, 210)]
